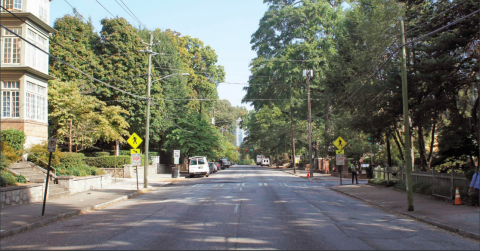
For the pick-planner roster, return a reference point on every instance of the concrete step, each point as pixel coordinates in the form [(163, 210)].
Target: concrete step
[(58, 195)]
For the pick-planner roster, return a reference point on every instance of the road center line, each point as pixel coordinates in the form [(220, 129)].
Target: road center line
[(265, 184), (260, 184), (236, 208), (241, 188)]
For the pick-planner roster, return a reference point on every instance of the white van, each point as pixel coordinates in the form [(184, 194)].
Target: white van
[(198, 165), (259, 159), (265, 162)]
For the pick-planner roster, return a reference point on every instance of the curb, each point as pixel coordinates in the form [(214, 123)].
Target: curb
[(53, 219), (422, 219)]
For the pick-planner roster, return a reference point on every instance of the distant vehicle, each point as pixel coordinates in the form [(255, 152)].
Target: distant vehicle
[(259, 159), (198, 165), (217, 164), (265, 162), (212, 167), (224, 163)]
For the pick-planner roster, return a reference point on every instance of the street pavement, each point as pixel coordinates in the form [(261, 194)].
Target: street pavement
[(243, 207)]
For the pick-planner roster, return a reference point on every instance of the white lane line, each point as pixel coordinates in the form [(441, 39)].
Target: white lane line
[(238, 185), (241, 188), (304, 185), (236, 208), (265, 184), (284, 184), (216, 185), (243, 184), (221, 185), (195, 185), (260, 184)]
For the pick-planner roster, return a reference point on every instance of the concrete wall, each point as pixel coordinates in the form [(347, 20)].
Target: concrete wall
[(82, 184), (130, 172), (111, 171), (19, 195)]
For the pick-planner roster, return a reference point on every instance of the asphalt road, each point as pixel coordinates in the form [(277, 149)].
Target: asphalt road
[(243, 207)]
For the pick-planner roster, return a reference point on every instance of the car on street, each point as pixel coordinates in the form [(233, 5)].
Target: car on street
[(265, 162), (224, 163), (212, 167), (217, 164), (198, 166), (259, 159)]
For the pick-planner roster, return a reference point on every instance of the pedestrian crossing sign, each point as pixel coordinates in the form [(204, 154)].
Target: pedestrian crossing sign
[(340, 151), (340, 143), (134, 151), (134, 140)]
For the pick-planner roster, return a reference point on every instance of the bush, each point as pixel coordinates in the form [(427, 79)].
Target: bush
[(109, 161), (382, 182), (4, 163), (422, 188), (400, 185), (100, 154), (80, 170), (9, 152), (7, 179), (124, 152), (40, 151), (21, 179), (14, 138), (72, 159)]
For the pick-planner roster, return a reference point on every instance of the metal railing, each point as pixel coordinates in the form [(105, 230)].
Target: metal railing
[(443, 185), (54, 169)]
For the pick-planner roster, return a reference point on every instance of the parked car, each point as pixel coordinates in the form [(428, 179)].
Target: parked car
[(217, 164), (259, 159), (212, 167), (198, 165), (265, 162), (224, 163)]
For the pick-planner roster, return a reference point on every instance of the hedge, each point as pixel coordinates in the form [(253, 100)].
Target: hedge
[(14, 138), (72, 159), (109, 161)]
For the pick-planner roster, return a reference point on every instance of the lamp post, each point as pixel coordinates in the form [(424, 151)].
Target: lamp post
[(309, 74)]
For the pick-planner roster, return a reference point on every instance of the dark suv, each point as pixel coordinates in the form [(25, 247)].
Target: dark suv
[(224, 163)]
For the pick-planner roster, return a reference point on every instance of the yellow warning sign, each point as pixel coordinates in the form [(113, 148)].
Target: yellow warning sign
[(340, 151), (340, 143), (134, 140), (132, 151)]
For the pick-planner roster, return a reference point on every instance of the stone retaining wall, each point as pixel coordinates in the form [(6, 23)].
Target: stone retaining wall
[(82, 184), (18, 195), (130, 172), (112, 171)]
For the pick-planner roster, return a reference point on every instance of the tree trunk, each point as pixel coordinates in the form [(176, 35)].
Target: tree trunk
[(389, 154), (432, 142), (421, 147), (399, 147), (70, 137), (293, 138)]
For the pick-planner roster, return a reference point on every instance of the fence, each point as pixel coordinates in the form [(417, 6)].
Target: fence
[(443, 184)]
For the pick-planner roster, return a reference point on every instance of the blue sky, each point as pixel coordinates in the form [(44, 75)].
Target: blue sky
[(225, 25)]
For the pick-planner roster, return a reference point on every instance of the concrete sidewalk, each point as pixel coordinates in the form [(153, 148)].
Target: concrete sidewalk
[(461, 219), (17, 219)]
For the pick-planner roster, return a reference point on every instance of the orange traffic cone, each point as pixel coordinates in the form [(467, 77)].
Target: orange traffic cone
[(308, 175), (458, 199)]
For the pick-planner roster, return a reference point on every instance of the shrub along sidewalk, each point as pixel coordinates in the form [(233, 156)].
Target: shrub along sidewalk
[(462, 219)]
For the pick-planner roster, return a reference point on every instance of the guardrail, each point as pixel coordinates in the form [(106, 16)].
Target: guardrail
[(54, 169)]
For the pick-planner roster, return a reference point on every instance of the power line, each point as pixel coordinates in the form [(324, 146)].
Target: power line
[(131, 15), (105, 8), (74, 68)]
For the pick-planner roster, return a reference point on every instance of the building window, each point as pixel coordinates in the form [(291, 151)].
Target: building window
[(12, 46), (10, 99), (12, 5), (35, 57), (36, 102)]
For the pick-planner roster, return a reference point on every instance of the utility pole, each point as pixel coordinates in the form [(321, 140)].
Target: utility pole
[(293, 139), (309, 74), (147, 125), (406, 120)]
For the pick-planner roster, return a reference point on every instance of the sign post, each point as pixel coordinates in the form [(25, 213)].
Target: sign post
[(52, 145), (136, 161), (134, 141), (176, 157), (340, 143)]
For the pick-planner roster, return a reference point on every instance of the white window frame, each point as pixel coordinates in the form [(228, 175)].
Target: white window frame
[(10, 99), (12, 5), (35, 57), (36, 102), (12, 46)]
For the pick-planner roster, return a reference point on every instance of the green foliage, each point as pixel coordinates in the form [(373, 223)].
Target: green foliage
[(381, 182), (109, 161), (72, 159), (82, 119), (21, 179), (79, 170), (423, 188), (100, 154), (4, 162), (8, 152), (14, 138), (7, 178)]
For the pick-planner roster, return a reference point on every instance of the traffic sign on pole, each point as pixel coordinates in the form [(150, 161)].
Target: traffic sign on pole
[(134, 140), (136, 159), (176, 156), (52, 144), (340, 143), (340, 159), (132, 151)]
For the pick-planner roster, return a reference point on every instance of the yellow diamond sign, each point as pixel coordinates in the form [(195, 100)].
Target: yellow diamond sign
[(340, 143), (134, 140)]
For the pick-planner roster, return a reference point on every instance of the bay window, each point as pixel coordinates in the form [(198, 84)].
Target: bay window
[(12, 46), (36, 105)]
